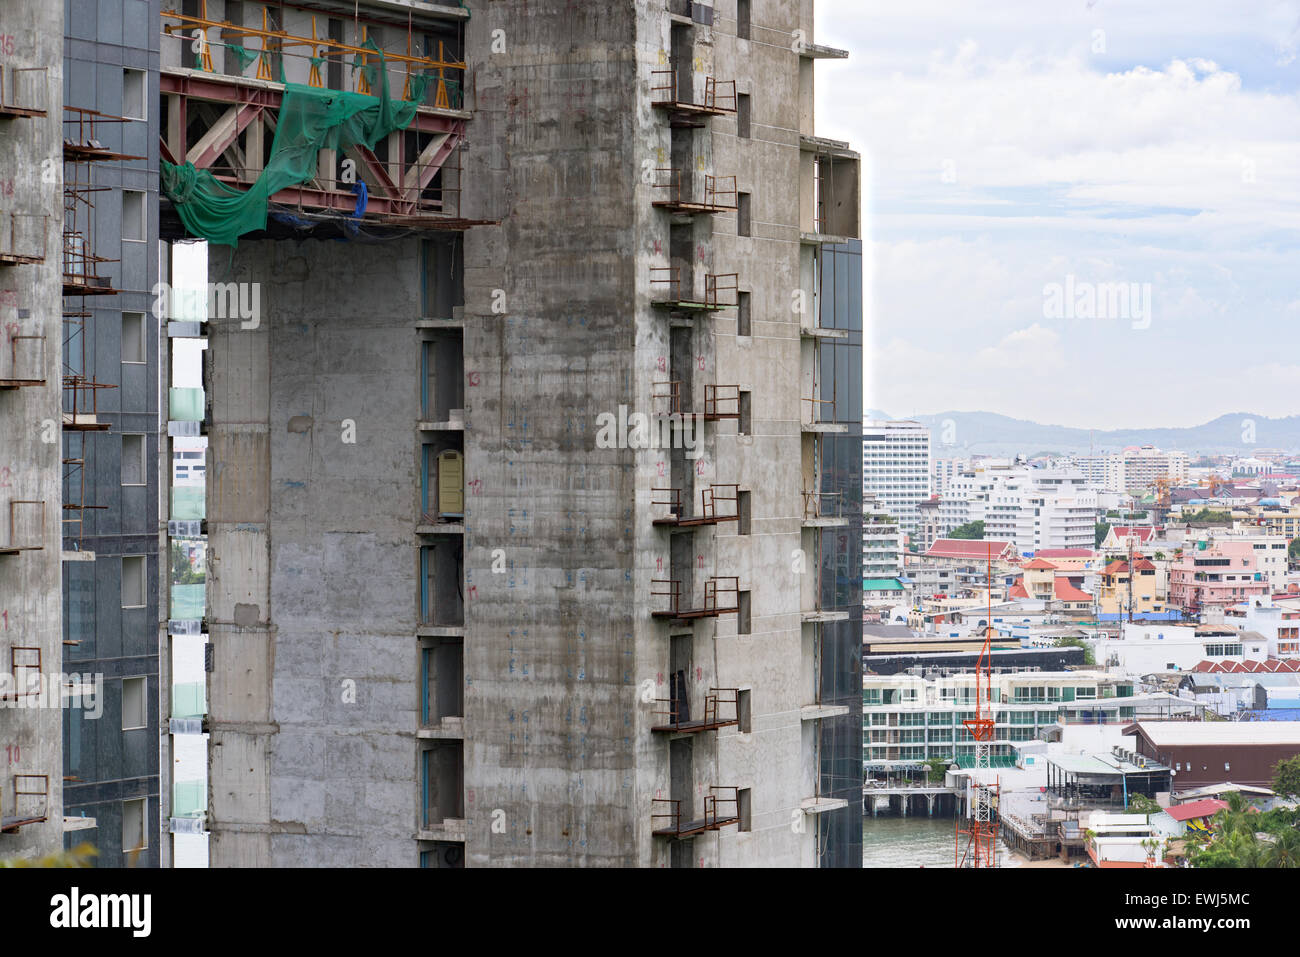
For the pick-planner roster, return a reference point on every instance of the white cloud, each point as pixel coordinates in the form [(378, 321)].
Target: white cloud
[(1172, 160)]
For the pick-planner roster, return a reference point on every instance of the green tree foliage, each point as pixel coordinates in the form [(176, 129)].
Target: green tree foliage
[(182, 573), (1100, 531), (1286, 777), (1209, 515), (938, 768), (1141, 804), (1088, 657), (1245, 838), (971, 530)]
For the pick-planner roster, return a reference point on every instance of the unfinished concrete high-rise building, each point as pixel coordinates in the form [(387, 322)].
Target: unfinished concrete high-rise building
[(31, 285), (529, 532)]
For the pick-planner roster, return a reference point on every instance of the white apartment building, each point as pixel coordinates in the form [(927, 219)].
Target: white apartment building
[(1143, 649), (896, 467), (945, 470), (1253, 465), (1057, 510), (188, 467), (910, 718), (1133, 468), (882, 542), (1279, 626), (1033, 508), (967, 496)]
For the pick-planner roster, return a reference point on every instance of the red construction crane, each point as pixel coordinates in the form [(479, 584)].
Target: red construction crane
[(982, 832)]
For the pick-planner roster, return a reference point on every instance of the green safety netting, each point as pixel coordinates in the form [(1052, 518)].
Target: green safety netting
[(188, 700), (189, 798), (187, 602), (310, 120), (185, 405), (245, 55), (188, 504)]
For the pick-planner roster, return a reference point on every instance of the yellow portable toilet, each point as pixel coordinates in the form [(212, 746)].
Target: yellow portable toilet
[(451, 485)]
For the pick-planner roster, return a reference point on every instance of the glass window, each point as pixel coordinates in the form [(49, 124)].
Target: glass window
[(133, 211), (133, 703), (133, 460), (133, 94), (134, 343), (133, 581), (133, 833)]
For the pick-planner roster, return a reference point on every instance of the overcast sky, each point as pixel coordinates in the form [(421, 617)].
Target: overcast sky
[(1005, 149)]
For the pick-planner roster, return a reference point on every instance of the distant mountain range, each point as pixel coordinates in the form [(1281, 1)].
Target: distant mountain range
[(957, 434)]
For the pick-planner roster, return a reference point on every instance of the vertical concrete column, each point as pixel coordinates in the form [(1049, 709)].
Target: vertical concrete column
[(239, 580), (31, 739)]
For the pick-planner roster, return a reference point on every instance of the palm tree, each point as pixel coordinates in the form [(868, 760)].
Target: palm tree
[(1284, 851)]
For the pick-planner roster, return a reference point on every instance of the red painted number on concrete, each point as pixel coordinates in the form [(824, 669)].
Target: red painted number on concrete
[(471, 378), (13, 753)]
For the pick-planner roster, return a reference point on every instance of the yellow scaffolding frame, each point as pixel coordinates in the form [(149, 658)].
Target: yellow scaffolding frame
[(278, 41)]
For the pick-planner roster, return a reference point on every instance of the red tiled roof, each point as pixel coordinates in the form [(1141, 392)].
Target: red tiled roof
[(1206, 807), (1038, 565), (968, 548), (1067, 592), (1017, 590), (1143, 565), (1141, 532), (1116, 567), (1268, 666)]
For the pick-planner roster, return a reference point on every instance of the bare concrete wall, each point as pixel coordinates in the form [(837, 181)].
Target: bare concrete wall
[(550, 652), (314, 596), (31, 183), (559, 742)]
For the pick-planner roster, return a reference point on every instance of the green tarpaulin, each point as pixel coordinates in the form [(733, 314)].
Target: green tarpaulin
[(185, 405), (187, 602), (189, 798), (188, 504), (311, 119), (188, 700)]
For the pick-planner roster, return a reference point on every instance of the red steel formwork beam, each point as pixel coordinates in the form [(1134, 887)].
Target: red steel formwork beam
[(248, 103)]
